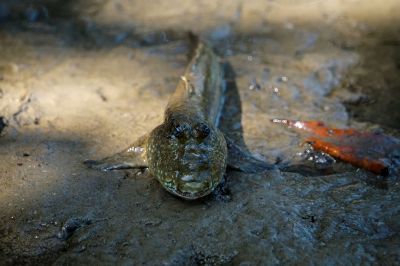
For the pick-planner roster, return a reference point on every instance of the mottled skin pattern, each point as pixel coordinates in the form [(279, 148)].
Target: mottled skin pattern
[(187, 153), (187, 163)]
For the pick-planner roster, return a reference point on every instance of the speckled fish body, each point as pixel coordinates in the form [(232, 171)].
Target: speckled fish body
[(187, 154)]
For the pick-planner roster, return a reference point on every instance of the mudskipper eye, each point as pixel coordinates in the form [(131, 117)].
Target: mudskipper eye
[(181, 131), (201, 131)]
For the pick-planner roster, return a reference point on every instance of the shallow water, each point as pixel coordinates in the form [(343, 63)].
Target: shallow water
[(84, 80)]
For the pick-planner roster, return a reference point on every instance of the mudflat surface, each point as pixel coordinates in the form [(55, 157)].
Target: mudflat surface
[(85, 79)]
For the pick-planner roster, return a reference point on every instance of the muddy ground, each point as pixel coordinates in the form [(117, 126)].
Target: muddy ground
[(83, 79)]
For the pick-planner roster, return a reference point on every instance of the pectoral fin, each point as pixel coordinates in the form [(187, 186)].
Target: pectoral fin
[(242, 160), (132, 157)]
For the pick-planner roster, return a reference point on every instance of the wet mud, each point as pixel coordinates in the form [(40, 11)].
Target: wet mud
[(85, 79)]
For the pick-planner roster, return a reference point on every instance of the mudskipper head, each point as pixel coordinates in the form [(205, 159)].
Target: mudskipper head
[(187, 156)]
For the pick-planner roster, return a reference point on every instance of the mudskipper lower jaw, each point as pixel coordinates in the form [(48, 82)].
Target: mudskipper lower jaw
[(187, 153)]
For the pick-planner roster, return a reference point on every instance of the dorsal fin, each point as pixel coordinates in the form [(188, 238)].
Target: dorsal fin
[(194, 44)]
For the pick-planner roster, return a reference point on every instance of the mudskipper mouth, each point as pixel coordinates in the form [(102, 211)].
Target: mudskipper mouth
[(192, 190), (195, 185), (195, 181)]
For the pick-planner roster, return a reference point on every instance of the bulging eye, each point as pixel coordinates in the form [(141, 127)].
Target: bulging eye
[(181, 130), (201, 131)]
